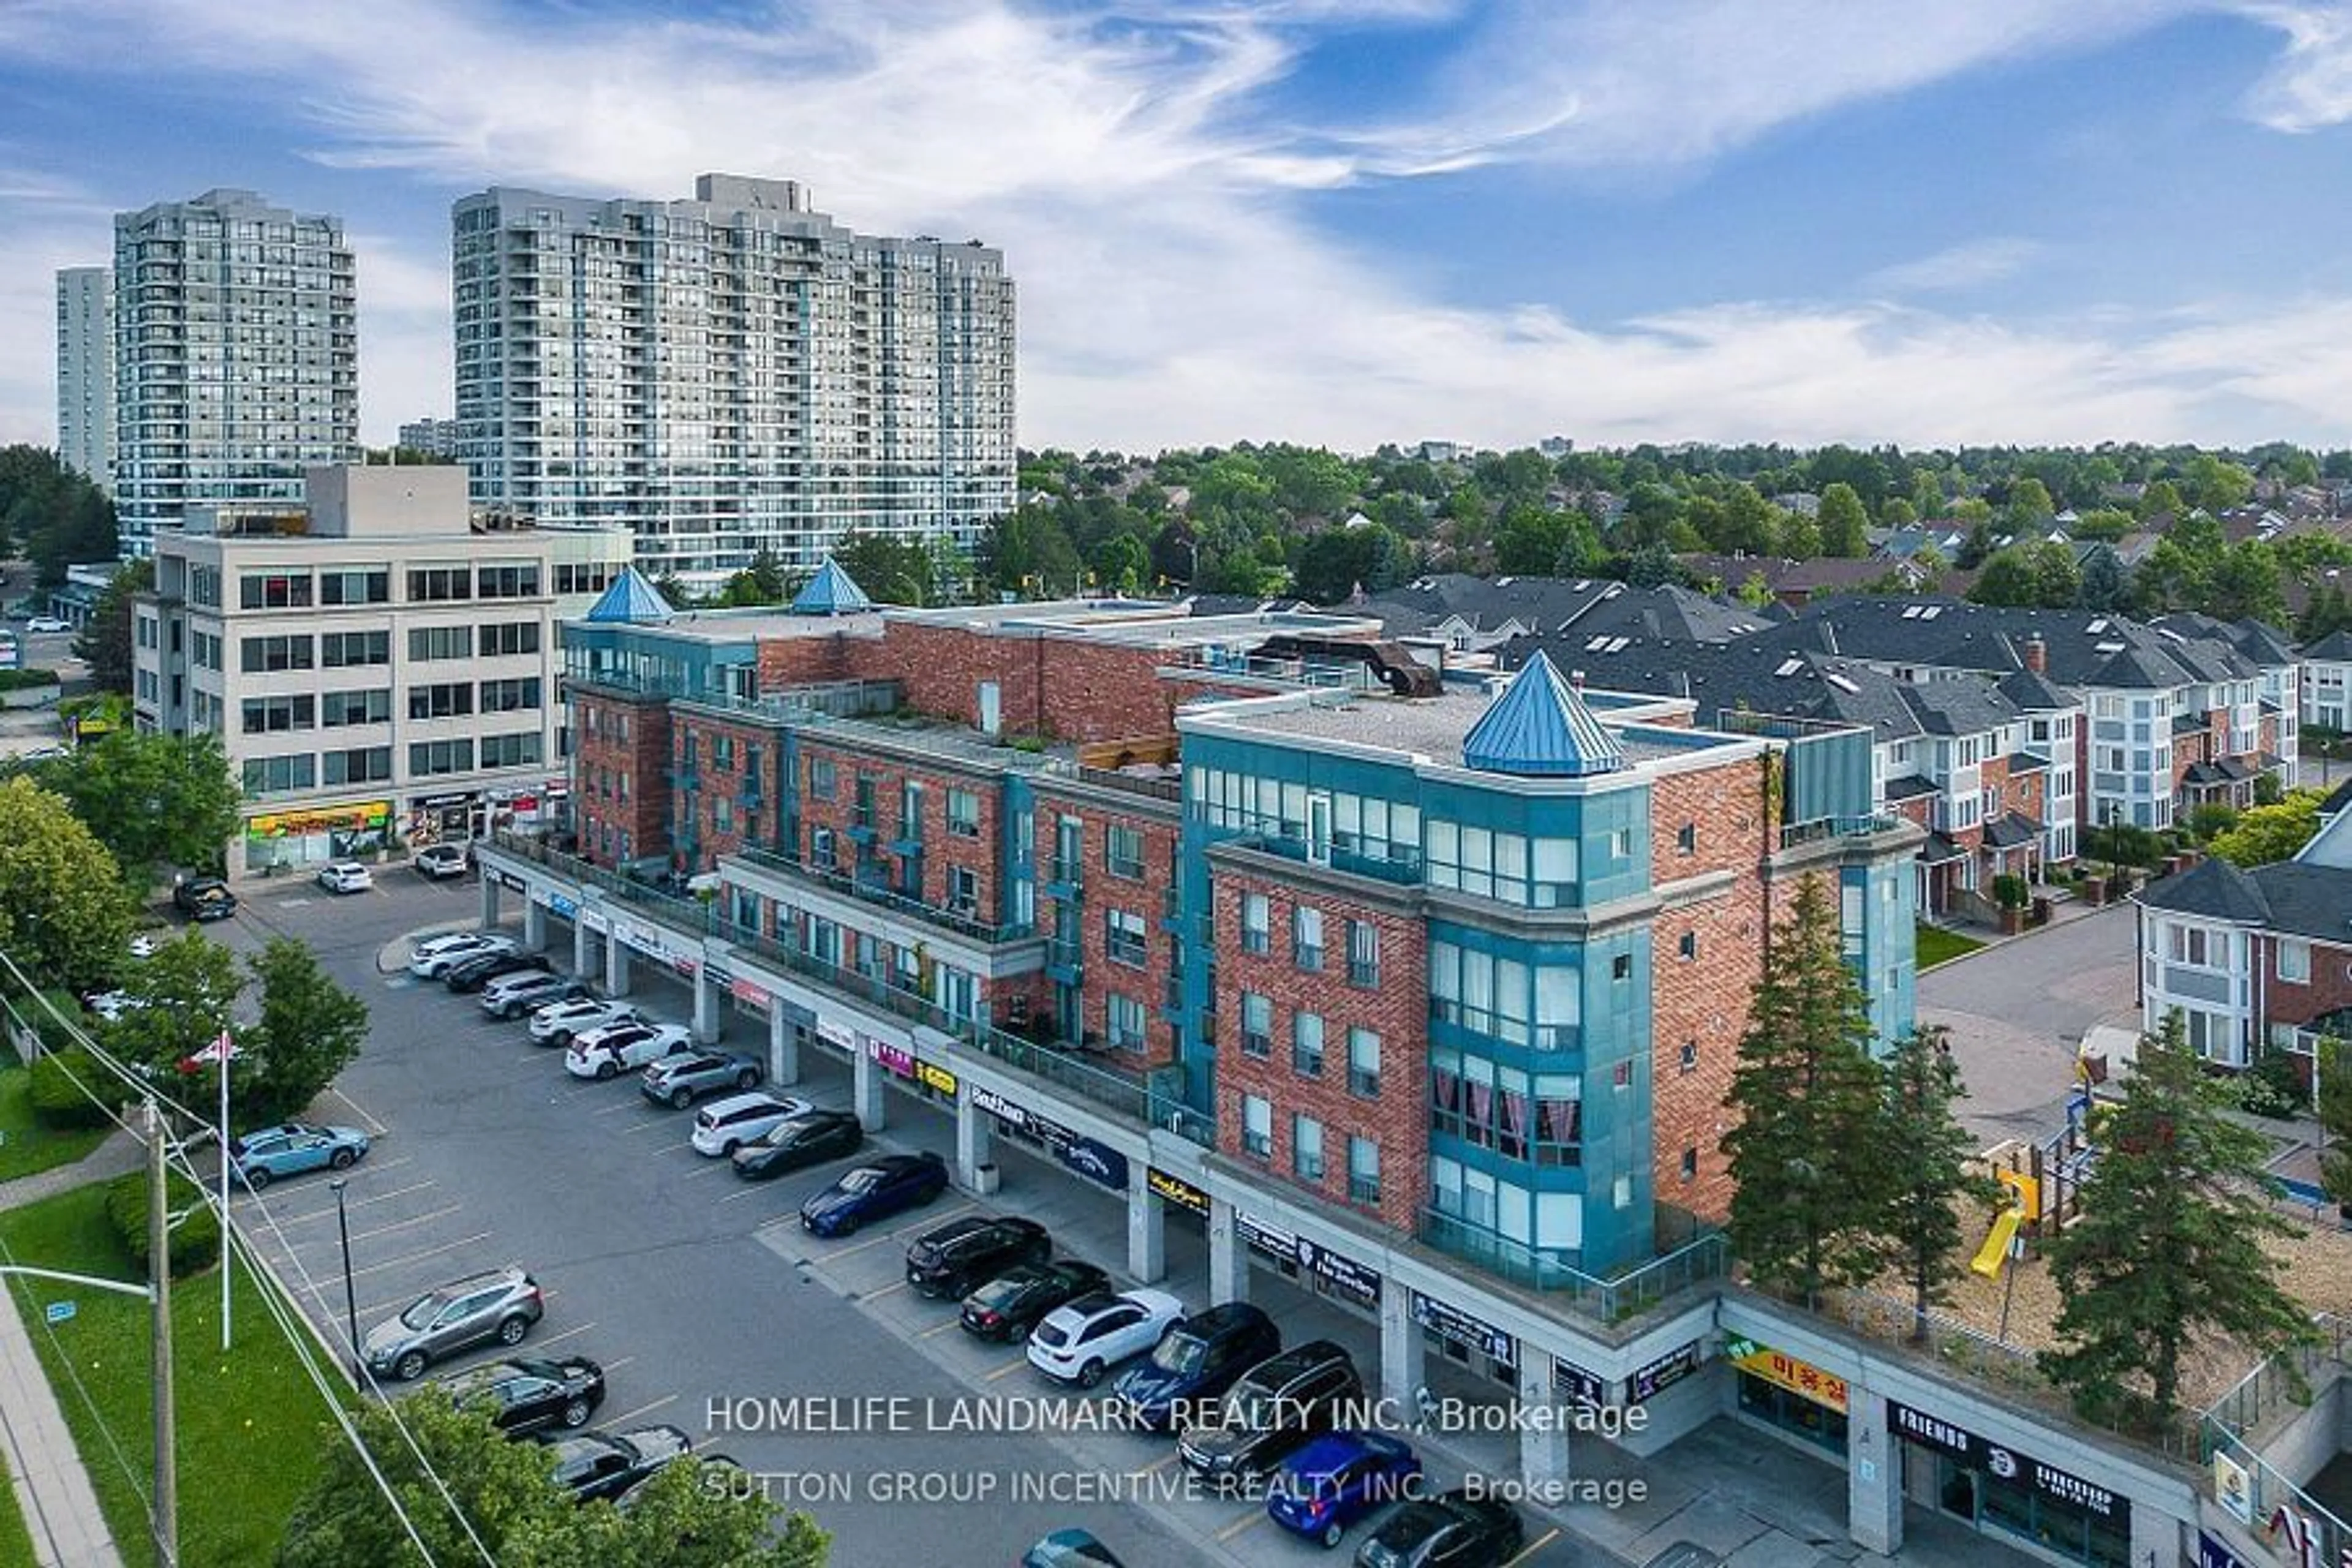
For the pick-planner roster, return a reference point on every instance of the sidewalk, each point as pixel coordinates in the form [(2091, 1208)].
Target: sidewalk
[(53, 1490)]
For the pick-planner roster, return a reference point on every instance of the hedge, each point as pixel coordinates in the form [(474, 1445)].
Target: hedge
[(196, 1240), (26, 679), (57, 1097)]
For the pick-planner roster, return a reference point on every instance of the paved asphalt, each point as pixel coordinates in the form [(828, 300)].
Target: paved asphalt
[(693, 1289)]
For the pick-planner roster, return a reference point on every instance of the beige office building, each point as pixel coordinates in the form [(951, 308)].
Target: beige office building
[(379, 666)]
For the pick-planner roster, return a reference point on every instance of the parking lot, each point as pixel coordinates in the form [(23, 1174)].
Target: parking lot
[(705, 1301)]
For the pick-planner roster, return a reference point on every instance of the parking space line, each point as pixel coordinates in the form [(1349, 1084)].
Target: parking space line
[(926, 1223), (644, 1410), (419, 1257), (936, 1328), (1546, 1538), (652, 1122), (615, 1110), (749, 1191), (709, 1168), (365, 1114), (1158, 1465), (1007, 1370), (612, 1366), (568, 1334), (875, 1295), (405, 1224), (1255, 1516)]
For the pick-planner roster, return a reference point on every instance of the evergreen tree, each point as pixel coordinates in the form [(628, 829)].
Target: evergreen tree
[(2333, 1097), (1810, 1153), (2169, 1246), (1921, 1224)]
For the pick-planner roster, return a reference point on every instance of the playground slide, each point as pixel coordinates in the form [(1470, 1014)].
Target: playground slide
[(1989, 1257)]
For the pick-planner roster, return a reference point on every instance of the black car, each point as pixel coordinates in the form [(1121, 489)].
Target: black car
[(527, 1393), (1273, 1409), (591, 1465), (964, 1254), (1016, 1301), (1200, 1358), (809, 1139), (203, 899), (1456, 1530), (477, 973)]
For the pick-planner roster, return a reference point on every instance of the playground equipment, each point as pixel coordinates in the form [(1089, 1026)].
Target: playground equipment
[(2002, 1243)]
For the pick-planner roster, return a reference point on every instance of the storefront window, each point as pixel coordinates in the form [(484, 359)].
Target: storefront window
[(1792, 1413), (2011, 1507)]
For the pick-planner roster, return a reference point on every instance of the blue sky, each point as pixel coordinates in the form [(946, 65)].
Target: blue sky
[(1923, 221)]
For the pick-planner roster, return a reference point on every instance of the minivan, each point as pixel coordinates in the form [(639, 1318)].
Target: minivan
[(1277, 1406), (1197, 1362)]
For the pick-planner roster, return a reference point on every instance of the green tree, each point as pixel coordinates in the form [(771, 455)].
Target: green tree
[(1921, 1224), (2247, 584), (190, 988), (310, 1029), (2161, 497), (892, 571), (64, 915), (2105, 585), (507, 1491), (1653, 566), (2168, 1247), (1809, 1155), (2030, 506), (1530, 539), (761, 583), (2267, 833), (1121, 564), (2215, 483), (2334, 1073), (2008, 578), (153, 800), (1028, 552), (105, 643), (1843, 520)]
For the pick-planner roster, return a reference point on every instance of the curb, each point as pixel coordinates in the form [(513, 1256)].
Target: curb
[(392, 957)]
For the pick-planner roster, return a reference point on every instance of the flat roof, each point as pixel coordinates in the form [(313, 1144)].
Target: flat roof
[(1139, 623), (766, 623), (1431, 726)]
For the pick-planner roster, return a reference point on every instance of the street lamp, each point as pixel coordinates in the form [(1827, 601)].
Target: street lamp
[(351, 1301)]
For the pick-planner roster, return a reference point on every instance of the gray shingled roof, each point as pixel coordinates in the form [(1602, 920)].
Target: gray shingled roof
[(2335, 647), (2082, 648), (1721, 677), (2214, 888), (2308, 901)]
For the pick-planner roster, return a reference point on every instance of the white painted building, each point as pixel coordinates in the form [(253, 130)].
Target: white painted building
[(86, 372)]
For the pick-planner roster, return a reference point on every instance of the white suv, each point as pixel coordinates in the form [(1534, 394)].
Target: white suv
[(726, 1125), (436, 955), (617, 1048), (557, 1023)]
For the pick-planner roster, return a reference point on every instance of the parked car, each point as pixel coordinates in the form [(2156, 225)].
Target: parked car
[(1274, 1409), (1339, 1479), (501, 1305), (559, 1023), (528, 1394), (1452, 1531), (726, 1125), (592, 1465), (479, 971), (345, 877), (809, 1139), (1069, 1549), (439, 861), (1016, 1301), (528, 990), (964, 1254), (875, 1190), (1080, 1341), (203, 899), (739, 1484), (1197, 1362), (291, 1148), (436, 955), (678, 1081), (47, 624), (617, 1048), (144, 943), (112, 1005)]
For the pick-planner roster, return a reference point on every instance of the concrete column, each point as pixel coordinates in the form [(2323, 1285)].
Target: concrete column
[(1147, 1228), (1873, 1473), (584, 945), (1228, 1264), (489, 903), (706, 1024), (1543, 1437), (2155, 1540), (865, 1093), (534, 925), (616, 966), (1402, 1368), (784, 1045)]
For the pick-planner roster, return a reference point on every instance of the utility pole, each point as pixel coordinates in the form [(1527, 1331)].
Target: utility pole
[(159, 1274)]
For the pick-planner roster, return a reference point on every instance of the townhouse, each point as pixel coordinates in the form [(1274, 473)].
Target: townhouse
[(2325, 700)]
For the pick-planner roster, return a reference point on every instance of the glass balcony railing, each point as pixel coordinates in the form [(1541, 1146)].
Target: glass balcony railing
[(1400, 864), (867, 892), (1610, 1298)]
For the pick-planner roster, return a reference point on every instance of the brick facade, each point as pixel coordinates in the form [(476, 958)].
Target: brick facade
[(620, 775), (718, 816), (1086, 924)]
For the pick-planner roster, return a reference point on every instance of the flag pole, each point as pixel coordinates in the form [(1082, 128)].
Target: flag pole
[(222, 1048)]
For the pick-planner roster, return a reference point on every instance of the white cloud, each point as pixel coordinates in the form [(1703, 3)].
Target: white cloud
[(1970, 264), (2311, 85), (1148, 196)]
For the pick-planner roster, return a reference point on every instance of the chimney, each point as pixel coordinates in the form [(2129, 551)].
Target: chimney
[(2037, 654)]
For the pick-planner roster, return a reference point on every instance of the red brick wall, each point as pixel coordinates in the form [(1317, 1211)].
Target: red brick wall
[(803, 661), (2289, 1002), (1070, 690), (941, 849), (1398, 1119), (601, 757), (1100, 975), (1702, 998), (717, 784)]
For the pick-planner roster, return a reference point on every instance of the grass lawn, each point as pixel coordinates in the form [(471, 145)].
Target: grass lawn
[(16, 1540), (1937, 945), (26, 1146), (249, 1440)]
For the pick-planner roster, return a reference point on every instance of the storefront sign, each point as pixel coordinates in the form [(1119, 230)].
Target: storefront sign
[(2211, 1553), (1803, 1378), (895, 1059), (2233, 1489), (2297, 1538), (370, 814), (563, 906), (2006, 1463), (1177, 1191), (509, 879), (1096, 1160), (1571, 1382), (937, 1079), (598, 920), (1460, 1328), (836, 1035), (1340, 1275), (749, 993), (1666, 1372)]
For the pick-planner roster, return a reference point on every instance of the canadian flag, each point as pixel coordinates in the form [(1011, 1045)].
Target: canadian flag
[(221, 1050)]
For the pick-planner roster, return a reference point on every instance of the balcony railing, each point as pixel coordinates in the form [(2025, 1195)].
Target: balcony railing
[(883, 898), (1827, 827), (1610, 1299), (1400, 865)]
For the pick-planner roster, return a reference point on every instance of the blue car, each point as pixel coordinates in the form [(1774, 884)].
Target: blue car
[(1337, 1480), (876, 1190), (293, 1147), (1069, 1549)]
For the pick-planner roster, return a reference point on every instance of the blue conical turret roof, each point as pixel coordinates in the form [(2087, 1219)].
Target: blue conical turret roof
[(1540, 727), (832, 592), (630, 598)]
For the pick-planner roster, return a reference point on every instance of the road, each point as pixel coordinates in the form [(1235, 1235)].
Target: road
[(2017, 1010), (685, 1284)]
